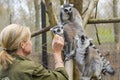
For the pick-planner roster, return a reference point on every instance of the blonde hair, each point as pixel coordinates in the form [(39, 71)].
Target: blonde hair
[(10, 38)]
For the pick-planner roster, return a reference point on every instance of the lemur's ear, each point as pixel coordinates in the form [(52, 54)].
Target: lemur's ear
[(83, 37), (60, 25), (71, 5), (61, 6), (90, 39), (51, 29)]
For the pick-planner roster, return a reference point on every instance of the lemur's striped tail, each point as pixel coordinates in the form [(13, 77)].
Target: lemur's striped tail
[(107, 68)]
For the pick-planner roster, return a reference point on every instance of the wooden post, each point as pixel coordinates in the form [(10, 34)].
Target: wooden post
[(69, 68), (44, 45)]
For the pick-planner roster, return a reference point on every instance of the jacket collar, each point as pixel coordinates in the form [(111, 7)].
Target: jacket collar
[(19, 57)]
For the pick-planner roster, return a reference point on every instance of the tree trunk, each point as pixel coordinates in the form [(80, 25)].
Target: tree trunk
[(61, 2), (37, 23), (91, 7), (69, 68), (78, 5), (50, 12), (116, 25)]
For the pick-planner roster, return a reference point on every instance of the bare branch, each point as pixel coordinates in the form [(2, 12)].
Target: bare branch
[(90, 21), (40, 31), (89, 11)]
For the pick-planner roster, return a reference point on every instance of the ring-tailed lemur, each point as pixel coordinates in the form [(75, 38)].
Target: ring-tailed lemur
[(58, 29), (107, 68), (69, 38), (70, 17), (89, 63), (70, 14)]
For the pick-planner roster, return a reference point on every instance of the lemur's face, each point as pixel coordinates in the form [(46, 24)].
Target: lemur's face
[(58, 29), (66, 10), (83, 41)]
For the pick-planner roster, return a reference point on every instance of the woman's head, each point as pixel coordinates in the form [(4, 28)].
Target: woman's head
[(14, 37)]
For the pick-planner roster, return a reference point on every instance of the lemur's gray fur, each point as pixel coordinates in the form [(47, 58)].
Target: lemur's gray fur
[(70, 14), (107, 68), (82, 57), (89, 63)]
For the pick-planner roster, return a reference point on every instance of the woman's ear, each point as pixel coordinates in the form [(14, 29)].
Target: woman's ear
[(22, 44)]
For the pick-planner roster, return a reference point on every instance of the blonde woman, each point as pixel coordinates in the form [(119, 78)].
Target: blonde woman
[(16, 45)]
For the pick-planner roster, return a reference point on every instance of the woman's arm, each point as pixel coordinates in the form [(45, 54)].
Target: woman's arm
[(57, 46), (59, 73)]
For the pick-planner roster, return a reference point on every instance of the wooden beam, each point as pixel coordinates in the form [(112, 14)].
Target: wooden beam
[(103, 20)]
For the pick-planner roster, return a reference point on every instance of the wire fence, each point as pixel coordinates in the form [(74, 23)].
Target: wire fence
[(106, 36), (105, 32)]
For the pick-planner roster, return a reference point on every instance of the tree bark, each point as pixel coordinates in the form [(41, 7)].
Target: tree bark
[(50, 13), (40, 31), (61, 2), (78, 5), (69, 68)]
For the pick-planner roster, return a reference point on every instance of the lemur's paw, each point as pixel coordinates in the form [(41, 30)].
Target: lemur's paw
[(67, 58)]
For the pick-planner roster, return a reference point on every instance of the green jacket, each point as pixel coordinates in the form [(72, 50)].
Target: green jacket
[(25, 69)]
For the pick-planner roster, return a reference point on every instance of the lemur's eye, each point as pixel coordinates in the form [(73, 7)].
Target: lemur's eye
[(58, 30), (61, 27), (54, 32), (82, 38), (65, 10), (70, 9)]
